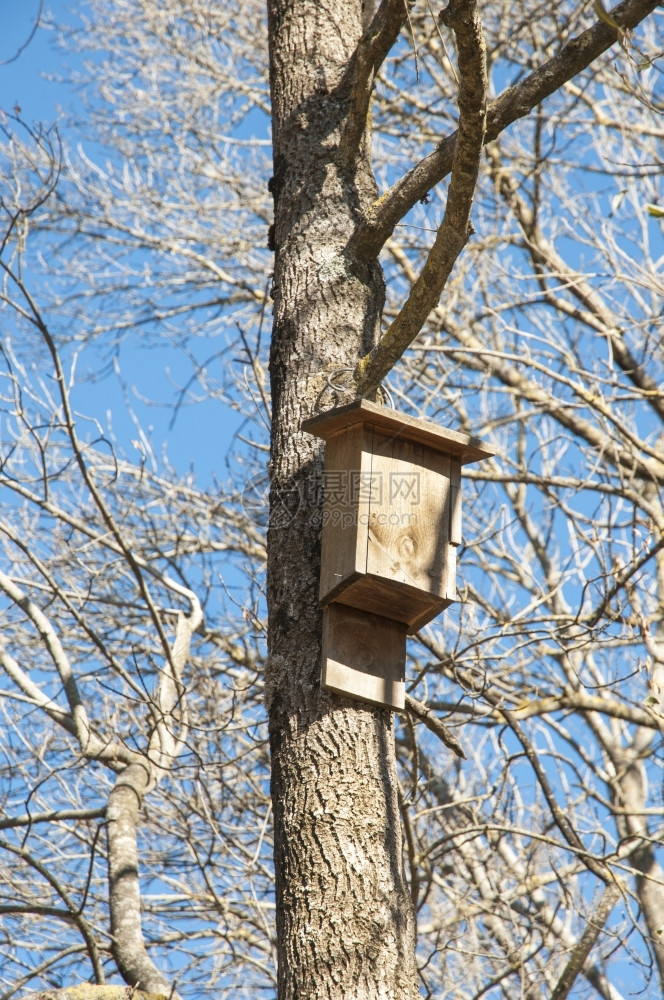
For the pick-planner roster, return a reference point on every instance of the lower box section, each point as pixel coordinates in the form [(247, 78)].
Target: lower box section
[(364, 656)]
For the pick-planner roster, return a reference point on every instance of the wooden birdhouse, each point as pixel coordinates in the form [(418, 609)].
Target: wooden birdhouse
[(391, 527), (391, 512)]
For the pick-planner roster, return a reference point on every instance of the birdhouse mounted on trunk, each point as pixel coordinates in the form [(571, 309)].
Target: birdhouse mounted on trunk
[(391, 527), (392, 511)]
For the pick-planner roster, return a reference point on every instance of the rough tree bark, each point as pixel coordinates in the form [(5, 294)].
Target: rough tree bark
[(345, 918)]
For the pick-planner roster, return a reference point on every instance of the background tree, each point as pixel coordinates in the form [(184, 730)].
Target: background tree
[(134, 655)]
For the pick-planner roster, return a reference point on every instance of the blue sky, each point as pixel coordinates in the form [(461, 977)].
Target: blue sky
[(23, 80), (34, 78)]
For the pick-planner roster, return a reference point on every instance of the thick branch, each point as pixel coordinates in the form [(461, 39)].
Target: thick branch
[(169, 732), (587, 942), (134, 962), (463, 18), (76, 720), (433, 723), (575, 701), (57, 653), (371, 51), (52, 816), (131, 955), (516, 102)]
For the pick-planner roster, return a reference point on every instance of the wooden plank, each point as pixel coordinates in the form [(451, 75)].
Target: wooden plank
[(388, 598), (450, 580), (455, 503), (462, 446), (364, 656), (345, 510), (409, 523)]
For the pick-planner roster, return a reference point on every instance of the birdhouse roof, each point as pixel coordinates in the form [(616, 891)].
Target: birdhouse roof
[(361, 411)]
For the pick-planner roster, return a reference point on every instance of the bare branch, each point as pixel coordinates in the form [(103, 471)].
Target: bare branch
[(23, 46), (462, 16), (164, 746), (635, 462), (54, 816), (516, 102), (425, 715), (573, 701), (365, 62), (134, 962), (76, 721), (581, 951), (562, 821), (73, 910), (550, 266)]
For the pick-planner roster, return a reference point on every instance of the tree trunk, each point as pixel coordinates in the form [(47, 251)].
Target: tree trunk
[(344, 917)]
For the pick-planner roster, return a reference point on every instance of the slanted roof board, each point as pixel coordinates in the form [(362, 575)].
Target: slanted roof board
[(462, 446)]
